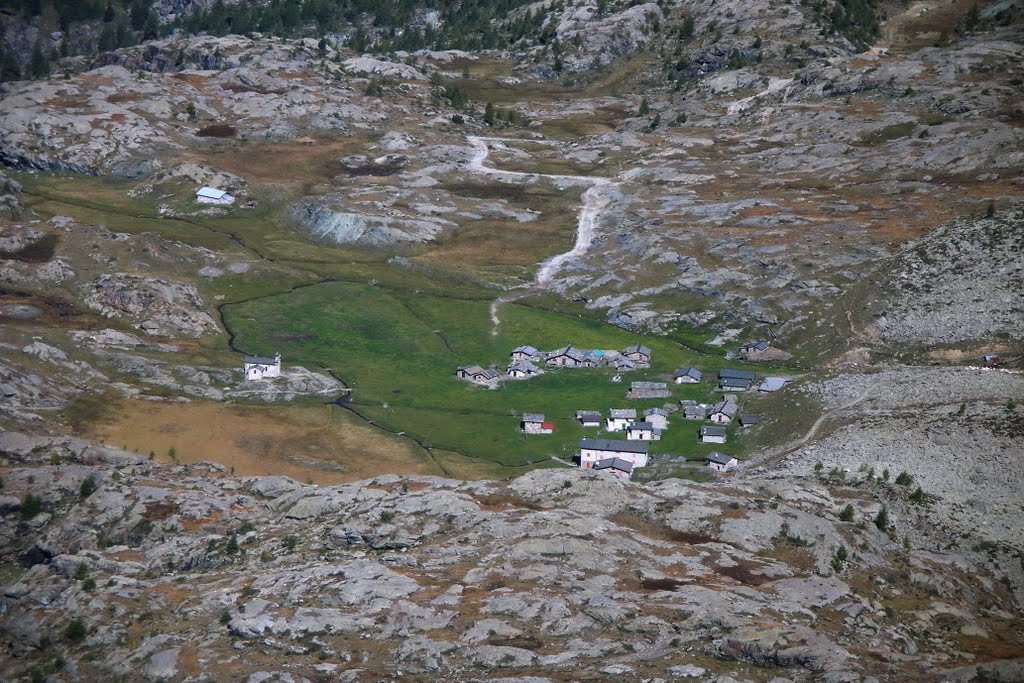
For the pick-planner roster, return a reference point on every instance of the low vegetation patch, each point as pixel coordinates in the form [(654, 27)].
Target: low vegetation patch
[(217, 131)]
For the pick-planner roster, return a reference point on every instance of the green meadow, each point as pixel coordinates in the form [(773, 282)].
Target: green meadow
[(398, 352), (395, 334)]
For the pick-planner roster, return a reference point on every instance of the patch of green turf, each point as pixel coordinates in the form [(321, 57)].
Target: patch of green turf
[(399, 352)]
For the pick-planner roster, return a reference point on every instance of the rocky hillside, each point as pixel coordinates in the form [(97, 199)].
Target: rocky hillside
[(131, 569)]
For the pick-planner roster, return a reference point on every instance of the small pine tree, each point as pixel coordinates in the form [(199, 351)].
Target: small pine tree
[(846, 515), (39, 65), (232, 547), (75, 630), (31, 505), (904, 478), (990, 211), (917, 496), (645, 107), (489, 114), (88, 487), (839, 560), (882, 519), (885, 474)]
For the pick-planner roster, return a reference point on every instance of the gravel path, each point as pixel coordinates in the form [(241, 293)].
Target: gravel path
[(595, 200)]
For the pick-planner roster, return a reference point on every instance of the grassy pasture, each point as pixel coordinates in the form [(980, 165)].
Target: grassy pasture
[(399, 353)]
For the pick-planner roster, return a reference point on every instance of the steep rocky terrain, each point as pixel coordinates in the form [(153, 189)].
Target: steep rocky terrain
[(710, 172), (153, 572)]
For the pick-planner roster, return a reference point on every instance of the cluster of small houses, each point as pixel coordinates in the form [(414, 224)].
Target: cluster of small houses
[(524, 363), (620, 457)]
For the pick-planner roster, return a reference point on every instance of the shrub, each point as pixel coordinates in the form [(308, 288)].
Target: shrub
[(904, 478), (818, 466), (847, 513), (839, 560), (289, 543), (88, 487), (885, 474), (89, 584), (75, 631), (225, 617), (81, 572), (232, 547), (917, 496), (387, 515), (882, 518), (645, 107), (31, 505)]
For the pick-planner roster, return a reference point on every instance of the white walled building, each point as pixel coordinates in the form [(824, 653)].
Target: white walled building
[(720, 462), (619, 419), (261, 367), (593, 451)]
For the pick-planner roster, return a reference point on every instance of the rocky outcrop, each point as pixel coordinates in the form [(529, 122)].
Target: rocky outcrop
[(581, 574), (971, 265), (325, 221), (155, 306)]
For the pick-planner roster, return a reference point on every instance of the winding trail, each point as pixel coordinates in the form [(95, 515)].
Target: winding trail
[(773, 457), (595, 200)]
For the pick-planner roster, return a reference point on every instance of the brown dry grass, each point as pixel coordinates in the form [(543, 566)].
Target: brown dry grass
[(657, 531), (284, 164), (318, 443)]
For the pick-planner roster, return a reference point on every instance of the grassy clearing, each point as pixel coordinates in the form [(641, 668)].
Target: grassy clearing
[(391, 348), (318, 443)]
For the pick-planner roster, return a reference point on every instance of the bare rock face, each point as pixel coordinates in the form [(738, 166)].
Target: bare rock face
[(581, 574), (157, 307), (337, 224), (971, 265)]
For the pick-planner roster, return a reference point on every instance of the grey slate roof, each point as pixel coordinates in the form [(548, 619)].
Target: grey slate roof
[(588, 416), (734, 383), (623, 413), (640, 425), (657, 386), (614, 464), (527, 350), (736, 374), (574, 353), (718, 458), (727, 406), (522, 366), (636, 348), (709, 430), (755, 346), (656, 411), (772, 383), (689, 372), (614, 446), (260, 360), (533, 417), (749, 419)]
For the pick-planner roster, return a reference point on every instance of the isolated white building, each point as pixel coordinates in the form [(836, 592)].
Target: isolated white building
[(210, 195), (721, 462), (260, 367)]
